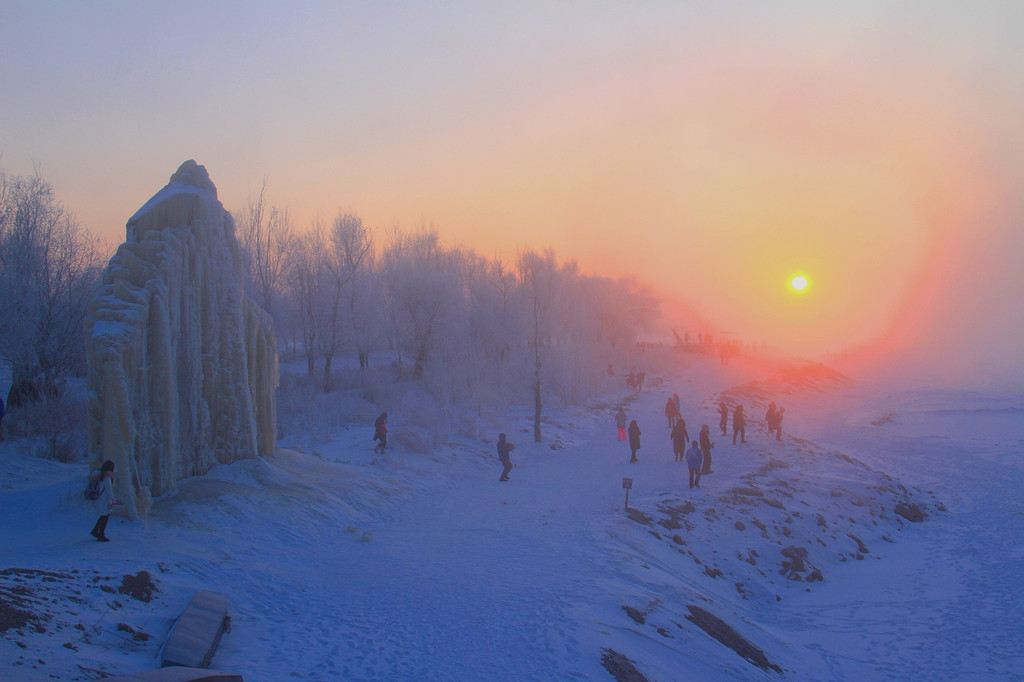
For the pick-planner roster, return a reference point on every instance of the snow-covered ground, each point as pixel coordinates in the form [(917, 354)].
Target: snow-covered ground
[(340, 564)]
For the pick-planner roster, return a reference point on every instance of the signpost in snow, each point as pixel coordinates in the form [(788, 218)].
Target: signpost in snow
[(627, 483)]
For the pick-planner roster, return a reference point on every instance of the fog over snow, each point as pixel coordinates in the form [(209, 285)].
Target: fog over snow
[(340, 564), (690, 157)]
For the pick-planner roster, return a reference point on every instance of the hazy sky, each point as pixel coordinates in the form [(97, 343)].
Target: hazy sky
[(712, 149)]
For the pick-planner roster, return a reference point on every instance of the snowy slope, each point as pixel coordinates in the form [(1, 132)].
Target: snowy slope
[(343, 565)]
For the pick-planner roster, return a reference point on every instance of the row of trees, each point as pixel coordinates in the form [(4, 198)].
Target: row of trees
[(462, 329), (50, 269), (468, 329)]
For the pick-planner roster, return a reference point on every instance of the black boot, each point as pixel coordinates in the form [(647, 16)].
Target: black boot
[(100, 529)]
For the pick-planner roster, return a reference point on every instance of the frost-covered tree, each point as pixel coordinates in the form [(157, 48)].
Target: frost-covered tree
[(424, 294), (366, 329), (49, 271), (546, 290), (350, 247), (462, 329), (305, 276), (265, 235), (607, 316), (488, 367), (323, 265)]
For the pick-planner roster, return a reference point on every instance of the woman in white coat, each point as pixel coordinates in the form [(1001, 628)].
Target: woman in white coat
[(106, 502)]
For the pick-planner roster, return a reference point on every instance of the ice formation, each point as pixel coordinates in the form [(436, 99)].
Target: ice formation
[(182, 364)]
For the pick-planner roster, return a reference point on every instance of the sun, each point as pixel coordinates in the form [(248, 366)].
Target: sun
[(799, 283)]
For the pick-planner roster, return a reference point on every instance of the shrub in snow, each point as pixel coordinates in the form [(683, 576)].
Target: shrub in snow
[(54, 425)]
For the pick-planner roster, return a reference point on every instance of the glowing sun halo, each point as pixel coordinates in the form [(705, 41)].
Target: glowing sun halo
[(798, 283)]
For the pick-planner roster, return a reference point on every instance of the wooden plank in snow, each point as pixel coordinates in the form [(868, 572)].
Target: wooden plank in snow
[(195, 636), (178, 674)]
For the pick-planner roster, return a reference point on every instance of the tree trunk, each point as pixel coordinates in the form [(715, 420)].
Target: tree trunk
[(327, 374), (421, 362), (536, 411), (537, 403)]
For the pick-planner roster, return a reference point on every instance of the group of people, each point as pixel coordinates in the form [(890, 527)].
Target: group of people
[(739, 421), (696, 453), (636, 381), (632, 432), (697, 456), (679, 436)]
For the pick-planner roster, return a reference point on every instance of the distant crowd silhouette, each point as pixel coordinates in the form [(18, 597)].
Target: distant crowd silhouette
[(696, 453)]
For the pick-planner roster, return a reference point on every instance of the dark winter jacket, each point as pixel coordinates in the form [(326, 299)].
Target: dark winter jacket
[(694, 457), (679, 436), (504, 448), (634, 435), (705, 441), (380, 427), (739, 421)]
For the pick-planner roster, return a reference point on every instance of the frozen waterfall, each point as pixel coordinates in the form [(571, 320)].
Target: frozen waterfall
[(182, 364)]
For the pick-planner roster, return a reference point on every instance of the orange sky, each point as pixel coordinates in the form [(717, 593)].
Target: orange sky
[(711, 151)]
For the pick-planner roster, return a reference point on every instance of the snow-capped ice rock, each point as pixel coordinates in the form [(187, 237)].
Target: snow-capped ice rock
[(182, 365)]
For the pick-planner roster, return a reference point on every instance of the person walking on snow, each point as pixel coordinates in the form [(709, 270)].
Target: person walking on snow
[(504, 448), (679, 439), (694, 462), (634, 439), (106, 502), (620, 422), (705, 446), (679, 408), (380, 432), (670, 412), (769, 417), (723, 412), (739, 425), (778, 423)]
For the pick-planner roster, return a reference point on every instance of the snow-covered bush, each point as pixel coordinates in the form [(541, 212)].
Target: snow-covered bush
[(49, 270), (54, 427)]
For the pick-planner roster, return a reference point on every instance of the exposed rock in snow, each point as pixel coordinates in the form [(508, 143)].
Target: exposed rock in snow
[(911, 512), (182, 365)]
